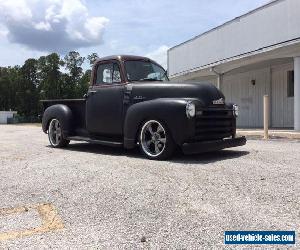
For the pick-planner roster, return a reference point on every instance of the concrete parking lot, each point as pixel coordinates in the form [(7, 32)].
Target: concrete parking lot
[(89, 196)]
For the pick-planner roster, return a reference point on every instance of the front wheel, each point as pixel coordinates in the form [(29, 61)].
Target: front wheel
[(55, 135), (155, 140)]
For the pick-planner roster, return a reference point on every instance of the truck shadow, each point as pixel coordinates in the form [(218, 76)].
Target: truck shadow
[(178, 157), (210, 157)]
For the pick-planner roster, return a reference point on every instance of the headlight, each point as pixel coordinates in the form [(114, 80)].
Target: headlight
[(190, 110), (235, 110)]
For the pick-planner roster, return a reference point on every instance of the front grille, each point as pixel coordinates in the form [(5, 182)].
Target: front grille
[(214, 124)]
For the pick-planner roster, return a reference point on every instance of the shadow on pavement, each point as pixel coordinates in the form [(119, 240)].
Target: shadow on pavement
[(178, 157), (210, 157)]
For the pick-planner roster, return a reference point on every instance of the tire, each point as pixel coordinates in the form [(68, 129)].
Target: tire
[(55, 134), (155, 140)]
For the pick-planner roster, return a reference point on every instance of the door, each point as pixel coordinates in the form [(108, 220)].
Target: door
[(104, 104), (282, 97), (247, 90)]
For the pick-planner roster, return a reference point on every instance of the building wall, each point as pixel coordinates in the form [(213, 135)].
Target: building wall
[(6, 114), (282, 105), (238, 88), (271, 24), (212, 81), (272, 80)]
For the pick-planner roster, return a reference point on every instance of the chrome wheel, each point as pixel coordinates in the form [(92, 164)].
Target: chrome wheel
[(55, 133), (153, 138)]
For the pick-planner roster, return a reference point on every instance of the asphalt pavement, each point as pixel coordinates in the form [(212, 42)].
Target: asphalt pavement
[(93, 197)]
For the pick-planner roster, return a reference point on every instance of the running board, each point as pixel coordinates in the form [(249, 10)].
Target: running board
[(102, 142)]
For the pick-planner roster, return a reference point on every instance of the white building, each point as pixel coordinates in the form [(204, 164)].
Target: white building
[(4, 115), (252, 55)]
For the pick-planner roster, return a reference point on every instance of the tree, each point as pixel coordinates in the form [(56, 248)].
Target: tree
[(84, 83), (21, 88), (9, 79), (27, 92), (50, 78), (92, 58), (73, 62)]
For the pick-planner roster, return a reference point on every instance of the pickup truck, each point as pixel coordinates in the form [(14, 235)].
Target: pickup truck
[(131, 102)]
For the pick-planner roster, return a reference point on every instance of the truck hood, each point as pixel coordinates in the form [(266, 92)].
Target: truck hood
[(206, 93)]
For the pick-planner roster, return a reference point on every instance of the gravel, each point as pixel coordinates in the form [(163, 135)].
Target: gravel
[(111, 198)]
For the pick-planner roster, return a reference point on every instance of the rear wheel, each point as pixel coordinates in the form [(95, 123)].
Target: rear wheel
[(155, 140), (55, 134)]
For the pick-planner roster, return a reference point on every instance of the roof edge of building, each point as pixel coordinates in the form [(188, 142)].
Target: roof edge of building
[(236, 57), (272, 2)]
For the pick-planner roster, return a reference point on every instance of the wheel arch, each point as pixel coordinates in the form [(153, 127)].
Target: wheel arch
[(171, 112), (63, 113)]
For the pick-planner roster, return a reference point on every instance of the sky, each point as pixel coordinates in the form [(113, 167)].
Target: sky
[(31, 28)]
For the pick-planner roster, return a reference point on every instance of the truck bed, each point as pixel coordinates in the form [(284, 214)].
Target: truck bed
[(76, 105), (47, 103)]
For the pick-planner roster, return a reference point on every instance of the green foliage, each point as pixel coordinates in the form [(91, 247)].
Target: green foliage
[(9, 83), (92, 58), (73, 63), (51, 85), (27, 92), (48, 77)]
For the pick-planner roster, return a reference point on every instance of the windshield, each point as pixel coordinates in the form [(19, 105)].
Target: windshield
[(144, 71)]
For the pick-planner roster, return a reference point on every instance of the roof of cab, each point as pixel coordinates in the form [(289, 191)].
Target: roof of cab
[(123, 57)]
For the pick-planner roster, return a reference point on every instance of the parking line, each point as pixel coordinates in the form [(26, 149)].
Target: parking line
[(50, 221)]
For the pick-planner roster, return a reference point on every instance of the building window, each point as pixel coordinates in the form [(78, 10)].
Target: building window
[(290, 83)]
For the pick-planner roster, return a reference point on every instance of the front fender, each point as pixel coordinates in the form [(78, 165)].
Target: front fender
[(172, 112), (60, 111)]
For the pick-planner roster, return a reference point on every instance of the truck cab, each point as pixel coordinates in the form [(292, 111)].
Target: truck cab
[(131, 102)]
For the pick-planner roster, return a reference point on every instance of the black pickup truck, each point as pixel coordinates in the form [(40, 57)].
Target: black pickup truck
[(131, 102)]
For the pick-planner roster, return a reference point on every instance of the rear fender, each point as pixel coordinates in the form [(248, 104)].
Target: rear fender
[(63, 113)]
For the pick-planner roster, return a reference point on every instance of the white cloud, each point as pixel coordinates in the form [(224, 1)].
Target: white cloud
[(43, 26), (3, 31), (159, 55), (51, 25), (15, 10)]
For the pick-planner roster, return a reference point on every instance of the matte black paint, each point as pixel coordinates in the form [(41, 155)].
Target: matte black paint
[(115, 112), (166, 110), (204, 92), (63, 113), (104, 110)]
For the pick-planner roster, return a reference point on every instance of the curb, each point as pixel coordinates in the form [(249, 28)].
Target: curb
[(272, 134)]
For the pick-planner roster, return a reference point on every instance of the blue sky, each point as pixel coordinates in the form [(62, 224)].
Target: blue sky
[(30, 28)]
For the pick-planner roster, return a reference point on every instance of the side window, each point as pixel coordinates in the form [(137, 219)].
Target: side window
[(290, 83), (116, 73), (108, 73), (104, 73)]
